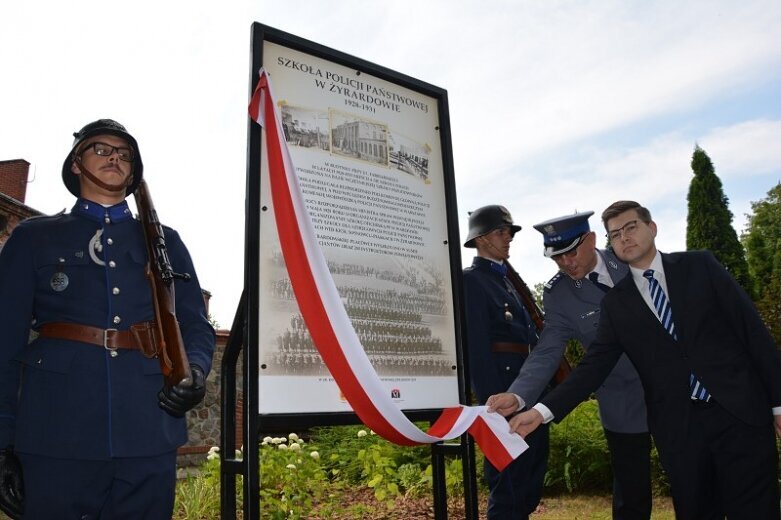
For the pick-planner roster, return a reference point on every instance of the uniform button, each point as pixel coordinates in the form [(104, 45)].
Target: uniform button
[(112, 263), (117, 319), (115, 290), (109, 241), (61, 260), (507, 368), (107, 220)]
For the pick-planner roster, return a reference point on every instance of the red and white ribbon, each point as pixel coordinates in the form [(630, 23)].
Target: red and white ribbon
[(331, 330)]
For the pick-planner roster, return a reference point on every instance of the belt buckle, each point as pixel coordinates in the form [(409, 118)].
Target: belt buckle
[(112, 350)]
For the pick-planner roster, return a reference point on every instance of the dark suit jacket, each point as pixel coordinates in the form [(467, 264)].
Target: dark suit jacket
[(721, 339)]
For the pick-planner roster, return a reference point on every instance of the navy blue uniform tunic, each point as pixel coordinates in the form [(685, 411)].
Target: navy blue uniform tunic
[(495, 314), (61, 398)]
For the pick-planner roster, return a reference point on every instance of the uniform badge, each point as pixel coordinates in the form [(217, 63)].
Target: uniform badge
[(508, 316), (578, 284), (59, 281), (613, 264)]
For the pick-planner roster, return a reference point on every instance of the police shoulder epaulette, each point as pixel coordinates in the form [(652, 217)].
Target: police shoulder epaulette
[(553, 281)]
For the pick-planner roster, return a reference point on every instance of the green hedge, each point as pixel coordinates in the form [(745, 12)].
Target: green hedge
[(579, 458)]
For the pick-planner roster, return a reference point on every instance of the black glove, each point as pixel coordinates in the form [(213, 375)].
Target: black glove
[(178, 399), (11, 484)]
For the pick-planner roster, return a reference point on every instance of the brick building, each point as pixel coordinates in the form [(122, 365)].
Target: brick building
[(13, 189)]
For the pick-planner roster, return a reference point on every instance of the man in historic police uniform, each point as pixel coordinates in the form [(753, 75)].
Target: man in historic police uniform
[(85, 429), (572, 300), (500, 333)]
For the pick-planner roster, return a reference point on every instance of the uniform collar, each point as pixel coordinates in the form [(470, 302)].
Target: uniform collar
[(499, 268), (98, 213)]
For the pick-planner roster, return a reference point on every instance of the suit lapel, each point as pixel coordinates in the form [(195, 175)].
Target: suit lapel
[(633, 302)]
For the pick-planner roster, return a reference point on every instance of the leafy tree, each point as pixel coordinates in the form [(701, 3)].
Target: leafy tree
[(709, 223), (762, 240)]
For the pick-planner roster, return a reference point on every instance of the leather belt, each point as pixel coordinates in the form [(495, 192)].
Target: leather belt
[(110, 339), (513, 348)]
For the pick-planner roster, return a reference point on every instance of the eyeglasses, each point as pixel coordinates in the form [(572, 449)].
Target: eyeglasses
[(572, 252), (627, 230), (105, 150)]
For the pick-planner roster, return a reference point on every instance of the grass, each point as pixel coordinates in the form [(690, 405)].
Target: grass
[(575, 507)]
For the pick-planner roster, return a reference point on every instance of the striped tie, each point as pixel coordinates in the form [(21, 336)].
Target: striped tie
[(665, 312)]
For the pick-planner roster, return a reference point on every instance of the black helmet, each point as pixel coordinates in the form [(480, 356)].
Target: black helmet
[(101, 127), (484, 220)]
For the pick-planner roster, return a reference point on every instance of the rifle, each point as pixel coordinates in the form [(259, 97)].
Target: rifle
[(166, 333), (564, 368)]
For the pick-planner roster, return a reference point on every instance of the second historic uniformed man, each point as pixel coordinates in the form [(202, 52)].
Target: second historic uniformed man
[(572, 299), (500, 334)]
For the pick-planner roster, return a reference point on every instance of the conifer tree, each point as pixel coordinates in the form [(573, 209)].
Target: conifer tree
[(762, 240), (709, 223)]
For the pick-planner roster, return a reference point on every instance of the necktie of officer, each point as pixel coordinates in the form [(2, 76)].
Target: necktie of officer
[(594, 277), (665, 312)]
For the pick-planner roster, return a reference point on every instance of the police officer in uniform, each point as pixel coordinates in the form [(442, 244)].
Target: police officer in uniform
[(500, 334), (572, 300), (87, 428)]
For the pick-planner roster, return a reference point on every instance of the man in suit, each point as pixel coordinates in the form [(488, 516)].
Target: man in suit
[(500, 332), (710, 371), (571, 300)]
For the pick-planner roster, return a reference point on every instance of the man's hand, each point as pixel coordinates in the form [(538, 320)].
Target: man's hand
[(11, 484), (526, 422), (178, 399), (504, 404), (778, 425)]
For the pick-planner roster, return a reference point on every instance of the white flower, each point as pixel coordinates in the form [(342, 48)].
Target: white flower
[(283, 447), (295, 447), (293, 437), (267, 440), (239, 455), (291, 466), (361, 433), (372, 432), (314, 455), (214, 453)]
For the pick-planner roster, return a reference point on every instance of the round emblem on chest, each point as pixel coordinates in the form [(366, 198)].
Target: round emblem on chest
[(578, 284), (59, 282)]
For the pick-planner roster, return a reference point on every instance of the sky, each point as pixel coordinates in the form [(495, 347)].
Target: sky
[(555, 106)]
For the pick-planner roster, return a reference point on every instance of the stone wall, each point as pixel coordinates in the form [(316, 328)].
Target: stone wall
[(203, 422)]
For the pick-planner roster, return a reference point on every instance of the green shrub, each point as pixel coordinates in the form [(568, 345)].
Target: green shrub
[(292, 479), (358, 456), (579, 459)]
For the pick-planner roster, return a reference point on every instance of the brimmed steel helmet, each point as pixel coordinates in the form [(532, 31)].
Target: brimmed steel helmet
[(484, 220), (101, 127)]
